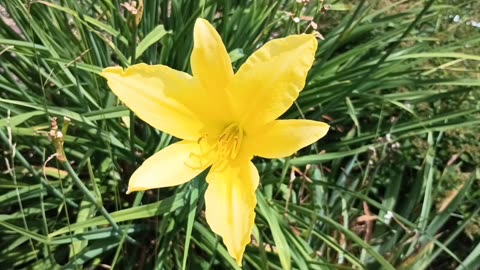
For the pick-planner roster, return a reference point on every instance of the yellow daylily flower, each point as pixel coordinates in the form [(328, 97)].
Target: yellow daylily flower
[(223, 120)]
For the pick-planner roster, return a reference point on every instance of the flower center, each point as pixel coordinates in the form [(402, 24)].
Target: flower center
[(229, 141), (220, 150)]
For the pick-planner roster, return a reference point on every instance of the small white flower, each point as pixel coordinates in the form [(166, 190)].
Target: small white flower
[(396, 145), (388, 217), (388, 137)]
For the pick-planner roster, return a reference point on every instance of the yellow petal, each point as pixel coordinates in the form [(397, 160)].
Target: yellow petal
[(271, 79), (230, 204), (171, 166), (282, 138), (211, 64), (169, 100)]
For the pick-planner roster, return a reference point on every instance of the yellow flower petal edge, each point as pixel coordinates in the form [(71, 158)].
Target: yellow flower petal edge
[(272, 78), (224, 120), (211, 64), (282, 138), (209, 57), (230, 203), (161, 96), (171, 166)]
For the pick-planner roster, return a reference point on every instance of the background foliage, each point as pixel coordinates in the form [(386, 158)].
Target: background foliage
[(394, 185)]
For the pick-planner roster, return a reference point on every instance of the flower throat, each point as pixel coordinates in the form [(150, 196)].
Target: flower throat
[(219, 151)]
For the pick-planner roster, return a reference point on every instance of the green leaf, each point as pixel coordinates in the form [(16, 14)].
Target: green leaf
[(151, 38), (272, 218)]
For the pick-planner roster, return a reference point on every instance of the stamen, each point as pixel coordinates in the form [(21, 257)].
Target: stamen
[(194, 158), (225, 148), (234, 151), (200, 159)]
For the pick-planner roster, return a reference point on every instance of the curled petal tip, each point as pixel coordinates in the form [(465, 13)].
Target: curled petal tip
[(131, 189), (135, 189), (239, 261), (111, 70), (201, 20)]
